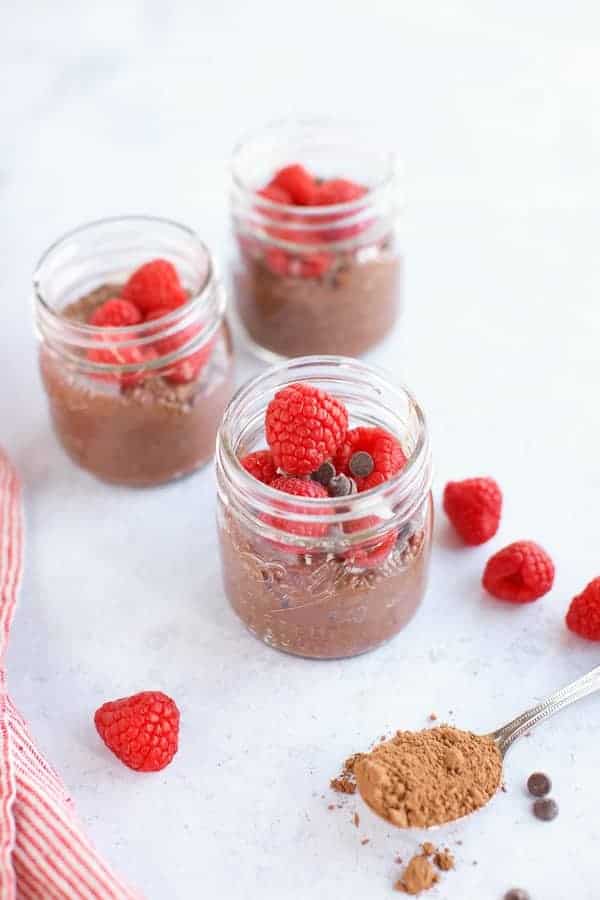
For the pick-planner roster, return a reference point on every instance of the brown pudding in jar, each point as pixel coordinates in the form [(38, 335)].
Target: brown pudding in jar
[(320, 605), (134, 404), (318, 268), (344, 311), (338, 569)]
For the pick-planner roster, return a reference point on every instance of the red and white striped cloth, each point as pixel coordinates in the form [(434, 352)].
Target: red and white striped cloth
[(43, 852)]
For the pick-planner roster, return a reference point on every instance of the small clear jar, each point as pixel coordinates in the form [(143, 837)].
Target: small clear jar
[(333, 577), (312, 280), (136, 405)]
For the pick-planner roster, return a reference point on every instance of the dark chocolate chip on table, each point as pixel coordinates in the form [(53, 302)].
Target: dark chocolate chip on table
[(538, 784), (545, 809), (361, 464), (516, 894), (324, 473)]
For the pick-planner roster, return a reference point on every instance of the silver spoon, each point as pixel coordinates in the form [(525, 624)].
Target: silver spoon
[(505, 736)]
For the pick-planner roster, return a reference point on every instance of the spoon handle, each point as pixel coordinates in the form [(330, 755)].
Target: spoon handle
[(508, 734)]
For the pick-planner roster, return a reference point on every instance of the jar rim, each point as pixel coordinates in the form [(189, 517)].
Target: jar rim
[(416, 474), (323, 123), (53, 325)]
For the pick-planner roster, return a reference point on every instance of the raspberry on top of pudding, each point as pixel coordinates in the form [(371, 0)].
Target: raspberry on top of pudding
[(135, 353), (319, 267), (313, 453), (153, 291)]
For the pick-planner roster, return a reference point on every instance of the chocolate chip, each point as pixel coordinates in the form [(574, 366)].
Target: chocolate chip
[(324, 473), (340, 486), (538, 784), (545, 809), (516, 894), (361, 464)]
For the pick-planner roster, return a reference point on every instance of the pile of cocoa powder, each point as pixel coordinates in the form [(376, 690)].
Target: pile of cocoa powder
[(425, 778), (420, 875)]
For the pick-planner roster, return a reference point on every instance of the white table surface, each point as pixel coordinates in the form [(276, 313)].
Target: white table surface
[(133, 107)]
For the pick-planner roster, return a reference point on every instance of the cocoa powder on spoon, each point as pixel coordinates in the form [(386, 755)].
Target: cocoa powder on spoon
[(426, 778)]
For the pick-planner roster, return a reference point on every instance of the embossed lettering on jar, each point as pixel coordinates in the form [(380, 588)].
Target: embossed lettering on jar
[(135, 404), (315, 274), (334, 576)]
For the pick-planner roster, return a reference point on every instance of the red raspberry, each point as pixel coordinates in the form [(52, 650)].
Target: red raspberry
[(474, 506), (189, 368), (116, 313), (276, 194), (520, 573), (384, 449), (373, 551), (338, 190), (278, 261), (583, 616), (297, 182), (313, 265), (299, 488), (122, 356), (155, 284), (261, 465), (142, 730), (304, 428)]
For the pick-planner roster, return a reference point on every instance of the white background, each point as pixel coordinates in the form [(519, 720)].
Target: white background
[(133, 107)]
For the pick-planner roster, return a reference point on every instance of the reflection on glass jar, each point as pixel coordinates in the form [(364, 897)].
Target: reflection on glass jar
[(335, 576), (319, 274), (136, 404)]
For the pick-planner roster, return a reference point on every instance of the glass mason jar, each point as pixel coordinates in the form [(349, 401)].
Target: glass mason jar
[(333, 577), (136, 405), (315, 279)]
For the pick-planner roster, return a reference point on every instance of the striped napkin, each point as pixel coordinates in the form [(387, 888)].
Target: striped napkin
[(43, 852)]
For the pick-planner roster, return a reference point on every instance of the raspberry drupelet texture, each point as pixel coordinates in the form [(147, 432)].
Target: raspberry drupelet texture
[(520, 573), (299, 487), (154, 285), (276, 194), (338, 190), (189, 367), (474, 507), (298, 184), (305, 427), (122, 356), (583, 617), (260, 464), (142, 730), (116, 313), (384, 449)]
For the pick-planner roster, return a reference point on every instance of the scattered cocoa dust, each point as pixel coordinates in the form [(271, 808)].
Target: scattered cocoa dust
[(425, 778), (444, 860), (345, 782), (419, 874)]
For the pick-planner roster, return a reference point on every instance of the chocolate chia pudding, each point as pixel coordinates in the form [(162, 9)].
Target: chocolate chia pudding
[(345, 311), (325, 533), (135, 355), (318, 270), (138, 434), (322, 606)]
